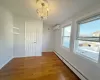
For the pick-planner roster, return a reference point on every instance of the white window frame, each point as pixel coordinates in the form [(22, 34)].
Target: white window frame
[(88, 19), (62, 36)]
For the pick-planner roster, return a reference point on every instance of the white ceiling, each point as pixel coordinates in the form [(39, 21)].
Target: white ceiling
[(59, 9)]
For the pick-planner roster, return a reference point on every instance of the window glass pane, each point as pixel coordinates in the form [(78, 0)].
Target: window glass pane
[(67, 31), (88, 40), (90, 29), (89, 49), (66, 41)]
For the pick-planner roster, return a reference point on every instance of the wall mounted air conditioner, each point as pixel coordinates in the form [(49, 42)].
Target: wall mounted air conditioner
[(57, 27)]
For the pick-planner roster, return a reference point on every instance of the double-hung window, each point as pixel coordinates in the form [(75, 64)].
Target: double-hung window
[(88, 38), (66, 31)]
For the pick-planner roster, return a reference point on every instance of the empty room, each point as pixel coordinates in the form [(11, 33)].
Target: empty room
[(49, 39)]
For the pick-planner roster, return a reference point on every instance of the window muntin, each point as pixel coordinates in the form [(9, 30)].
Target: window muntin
[(66, 36), (88, 38)]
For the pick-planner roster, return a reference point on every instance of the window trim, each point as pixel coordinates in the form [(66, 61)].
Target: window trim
[(89, 19), (81, 21), (62, 35)]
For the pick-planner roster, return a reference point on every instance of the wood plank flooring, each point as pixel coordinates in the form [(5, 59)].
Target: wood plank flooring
[(47, 67)]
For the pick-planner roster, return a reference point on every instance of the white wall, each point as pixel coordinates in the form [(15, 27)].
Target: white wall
[(19, 39), (6, 36), (47, 38), (88, 68)]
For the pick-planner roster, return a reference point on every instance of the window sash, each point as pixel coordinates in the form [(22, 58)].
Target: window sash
[(65, 36), (93, 39), (86, 20), (63, 31), (68, 42)]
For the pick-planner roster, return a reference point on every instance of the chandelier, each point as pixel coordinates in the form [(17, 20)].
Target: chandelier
[(42, 9)]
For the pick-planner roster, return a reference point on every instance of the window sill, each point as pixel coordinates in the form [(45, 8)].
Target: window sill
[(79, 52)]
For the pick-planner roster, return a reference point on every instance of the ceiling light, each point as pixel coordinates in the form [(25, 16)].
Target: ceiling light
[(42, 9)]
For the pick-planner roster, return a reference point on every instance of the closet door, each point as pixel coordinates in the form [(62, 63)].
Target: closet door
[(30, 39)]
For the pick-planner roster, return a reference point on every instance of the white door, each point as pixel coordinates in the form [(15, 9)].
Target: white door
[(30, 39)]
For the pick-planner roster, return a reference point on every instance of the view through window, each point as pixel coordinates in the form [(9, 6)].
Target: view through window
[(66, 36), (88, 38)]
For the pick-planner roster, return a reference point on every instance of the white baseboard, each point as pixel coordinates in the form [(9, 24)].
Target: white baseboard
[(26, 56), (76, 71), (19, 56), (6, 63)]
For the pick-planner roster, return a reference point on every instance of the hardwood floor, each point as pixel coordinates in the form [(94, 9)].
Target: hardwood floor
[(47, 67)]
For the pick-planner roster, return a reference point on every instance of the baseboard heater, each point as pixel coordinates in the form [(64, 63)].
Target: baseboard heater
[(77, 72)]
